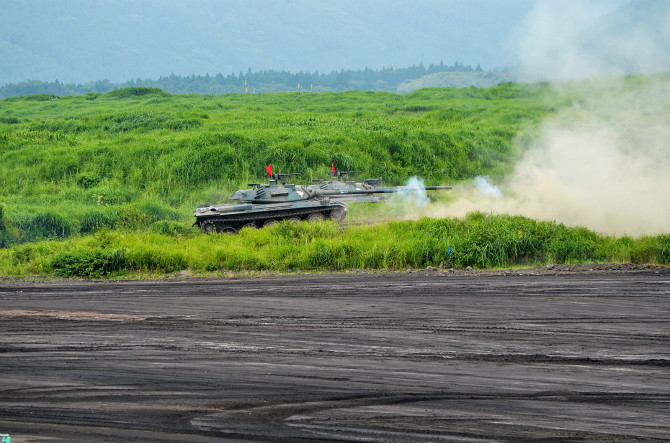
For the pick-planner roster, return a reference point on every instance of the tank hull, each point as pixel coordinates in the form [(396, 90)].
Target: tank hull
[(231, 218)]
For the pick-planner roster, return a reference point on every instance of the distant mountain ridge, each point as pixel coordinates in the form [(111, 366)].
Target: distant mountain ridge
[(388, 79)]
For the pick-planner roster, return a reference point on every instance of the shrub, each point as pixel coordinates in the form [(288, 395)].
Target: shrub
[(652, 250), (663, 250), (9, 234), (573, 245), (94, 263), (154, 211)]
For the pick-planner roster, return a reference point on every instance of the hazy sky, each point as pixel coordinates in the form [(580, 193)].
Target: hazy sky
[(120, 40)]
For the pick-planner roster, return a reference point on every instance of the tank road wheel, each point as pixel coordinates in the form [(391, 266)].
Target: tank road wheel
[(229, 230), (293, 219), (269, 223), (208, 227), (250, 226), (317, 216), (338, 214)]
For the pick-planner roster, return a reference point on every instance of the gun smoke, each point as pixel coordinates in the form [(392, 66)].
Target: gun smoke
[(413, 193), (486, 189)]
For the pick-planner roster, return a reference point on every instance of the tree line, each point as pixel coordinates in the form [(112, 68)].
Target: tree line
[(385, 79)]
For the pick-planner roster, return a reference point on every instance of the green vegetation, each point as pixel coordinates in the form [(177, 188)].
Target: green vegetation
[(479, 241), (106, 184), (136, 156)]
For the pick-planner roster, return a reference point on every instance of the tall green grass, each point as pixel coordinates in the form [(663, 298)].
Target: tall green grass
[(478, 240)]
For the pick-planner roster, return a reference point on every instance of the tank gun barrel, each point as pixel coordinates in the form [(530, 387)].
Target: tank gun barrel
[(398, 189), (427, 188)]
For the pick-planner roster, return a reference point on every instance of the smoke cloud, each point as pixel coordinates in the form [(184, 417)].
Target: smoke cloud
[(413, 193), (602, 162), (487, 190)]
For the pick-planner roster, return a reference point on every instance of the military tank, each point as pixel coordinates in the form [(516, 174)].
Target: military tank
[(343, 188), (348, 191), (266, 204)]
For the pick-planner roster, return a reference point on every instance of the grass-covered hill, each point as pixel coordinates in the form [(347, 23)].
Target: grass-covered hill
[(71, 165), (106, 184)]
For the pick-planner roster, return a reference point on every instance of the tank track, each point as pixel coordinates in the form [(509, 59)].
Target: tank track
[(234, 223)]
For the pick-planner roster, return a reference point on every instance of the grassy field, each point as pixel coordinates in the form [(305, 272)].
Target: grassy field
[(105, 184), (479, 240), (133, 157)]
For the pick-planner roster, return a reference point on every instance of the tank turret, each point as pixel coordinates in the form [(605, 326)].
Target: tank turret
[(345, 190), (341, 189)]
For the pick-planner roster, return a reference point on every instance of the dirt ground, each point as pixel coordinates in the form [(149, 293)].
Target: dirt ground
[(549, 353)]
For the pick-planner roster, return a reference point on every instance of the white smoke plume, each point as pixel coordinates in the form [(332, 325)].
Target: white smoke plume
[(603, 163), (413, 193), (487, 190)]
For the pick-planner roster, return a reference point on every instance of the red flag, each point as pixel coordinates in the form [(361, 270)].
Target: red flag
[(333, 166), (268, 169)]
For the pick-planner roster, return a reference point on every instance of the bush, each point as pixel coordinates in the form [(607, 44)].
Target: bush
[(573, 245), (651, 250), (89, 263), (9, 234)]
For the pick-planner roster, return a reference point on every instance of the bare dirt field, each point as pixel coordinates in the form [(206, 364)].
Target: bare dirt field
[(420, 356)]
